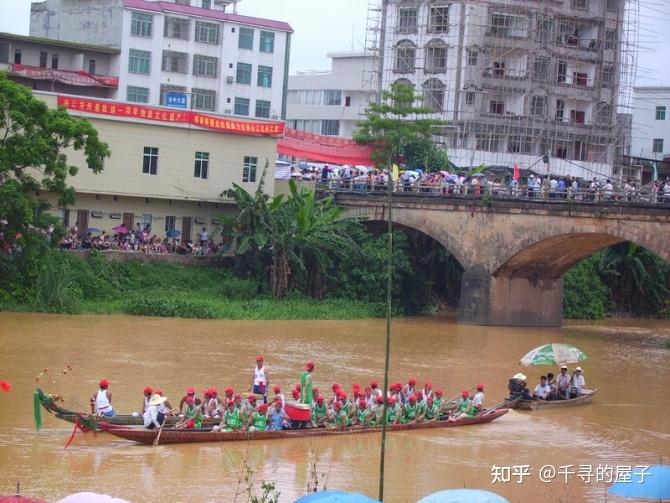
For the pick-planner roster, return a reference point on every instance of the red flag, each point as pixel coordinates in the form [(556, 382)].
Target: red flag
[(517, 172)]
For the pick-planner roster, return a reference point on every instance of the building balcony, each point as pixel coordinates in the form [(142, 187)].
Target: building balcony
[(77, 78)]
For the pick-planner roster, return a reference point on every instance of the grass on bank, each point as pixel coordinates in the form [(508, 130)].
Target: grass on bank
[(75, 285)]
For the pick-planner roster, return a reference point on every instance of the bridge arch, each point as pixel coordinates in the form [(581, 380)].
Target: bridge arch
[(413, 220), (551, 257)]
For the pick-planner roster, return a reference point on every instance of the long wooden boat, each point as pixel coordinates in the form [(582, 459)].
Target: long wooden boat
[(585, 398), (183, 436), (50, 403)]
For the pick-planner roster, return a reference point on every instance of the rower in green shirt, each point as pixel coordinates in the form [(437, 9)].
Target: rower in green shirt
[(319, 412), (432, 410), (231, 418), (341, 416), (306, 384), (393, 411), (411, 411), (259, 418)]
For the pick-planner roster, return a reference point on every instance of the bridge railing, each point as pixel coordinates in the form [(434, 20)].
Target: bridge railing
[(645, 195)]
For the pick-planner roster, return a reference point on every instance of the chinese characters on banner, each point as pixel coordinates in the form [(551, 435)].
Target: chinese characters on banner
[(221, 124)]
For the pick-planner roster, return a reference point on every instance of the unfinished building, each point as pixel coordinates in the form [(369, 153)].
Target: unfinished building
[(534, 82)]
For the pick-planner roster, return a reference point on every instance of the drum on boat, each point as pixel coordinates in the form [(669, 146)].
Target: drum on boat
[(298, 411)]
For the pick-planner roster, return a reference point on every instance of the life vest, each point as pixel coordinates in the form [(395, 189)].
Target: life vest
[(193, 413), (318, 412), (433, 411), (343, 418), (260, 421), (233, 419), (362, 414)]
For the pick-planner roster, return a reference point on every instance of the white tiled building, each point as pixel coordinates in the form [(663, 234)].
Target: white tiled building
[(224, 62), (329, 103), (651, 122)]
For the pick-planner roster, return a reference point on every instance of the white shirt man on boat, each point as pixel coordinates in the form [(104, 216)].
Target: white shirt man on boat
[(153, 417), (563, 383), (542, 390), (261, 380), (101, 402), (578, 381)]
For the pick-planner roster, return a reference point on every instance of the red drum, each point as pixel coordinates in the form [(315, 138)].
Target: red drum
[(298, 411)]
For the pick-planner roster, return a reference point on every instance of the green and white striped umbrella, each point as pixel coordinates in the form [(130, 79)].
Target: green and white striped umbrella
[(553, 354)]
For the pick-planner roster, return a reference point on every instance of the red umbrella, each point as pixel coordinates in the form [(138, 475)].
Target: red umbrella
[(120, 229), (17, 498)]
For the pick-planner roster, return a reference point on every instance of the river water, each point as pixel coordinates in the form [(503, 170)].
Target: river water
[(627, 425)]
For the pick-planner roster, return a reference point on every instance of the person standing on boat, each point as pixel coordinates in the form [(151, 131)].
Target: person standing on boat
[(101, 402), (148, 391), (153, 417), (261, 379), (306, 383), (577, 382)]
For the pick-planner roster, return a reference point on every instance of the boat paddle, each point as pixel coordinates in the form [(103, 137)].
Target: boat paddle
[(160, 430)]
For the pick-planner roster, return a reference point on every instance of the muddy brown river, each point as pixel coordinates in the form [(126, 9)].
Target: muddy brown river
[(627, 426)]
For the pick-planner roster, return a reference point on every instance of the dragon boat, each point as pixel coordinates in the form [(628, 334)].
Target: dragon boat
[(50, 401), (171, 435), (519, 404)]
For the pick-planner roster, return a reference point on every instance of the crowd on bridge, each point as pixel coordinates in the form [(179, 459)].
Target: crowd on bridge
[(533, 186)]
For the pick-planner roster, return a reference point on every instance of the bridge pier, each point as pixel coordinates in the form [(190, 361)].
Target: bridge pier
[(497, 300)]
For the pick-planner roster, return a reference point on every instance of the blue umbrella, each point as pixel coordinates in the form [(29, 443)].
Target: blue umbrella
[(653, 484), (93, 230), (335, 497), (463, 496), (173, 233)]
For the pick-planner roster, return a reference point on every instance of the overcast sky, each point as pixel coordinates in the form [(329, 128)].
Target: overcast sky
[(322, 26)]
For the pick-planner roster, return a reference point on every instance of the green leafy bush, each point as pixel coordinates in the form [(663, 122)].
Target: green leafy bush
[(585, 296), (167, 307)]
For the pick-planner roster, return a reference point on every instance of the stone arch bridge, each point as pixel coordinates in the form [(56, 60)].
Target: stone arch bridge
[(515, 252)]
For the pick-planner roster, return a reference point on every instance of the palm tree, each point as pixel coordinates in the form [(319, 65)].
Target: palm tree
[(637, 278)]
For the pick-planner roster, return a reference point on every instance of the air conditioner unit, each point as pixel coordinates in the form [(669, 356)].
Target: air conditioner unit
[(230, 79), (115, 216), (216, 221), (228, 111), (96, 214), (199, 220)]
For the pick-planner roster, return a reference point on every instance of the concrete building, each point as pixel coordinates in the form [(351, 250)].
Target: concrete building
[(515, 79), (58, 66), (167, 168), (223, 62), (651, 122), (330, 102)]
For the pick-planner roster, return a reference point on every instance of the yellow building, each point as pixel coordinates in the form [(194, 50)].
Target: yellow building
[(168, 167)]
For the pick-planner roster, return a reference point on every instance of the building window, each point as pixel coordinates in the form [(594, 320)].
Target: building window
[(246, 40), (183, 2), (176, 62), (263, 109), (470, 98), (541, 68), (176, 27), (264, 76), (91, 66), (201, 165), (405, 55), (473, 56), (347, 101), (206, 4), (139, 62), (65, 217), (241, 106), (207, 33), (203, 99), (611, 5), (150, 163), (580, 4), (166, 89), (17, 56), (560, 110), (505, 25), (561, 72), (249, 169), (658, 146), (604, 114), (433, 95), (608, 75), (141, 24), (538, 105), (496, 107), (407, 17), (330, 127), (332, 97), (205, 66), (610, 39), (267, 42), (54, 61), (170, 223), (487, 142), (436, 56), (660, 113), (43, 59), (438, 19), (545, 27), (498, 69), (137, 94), (243, 73), (577, 116)]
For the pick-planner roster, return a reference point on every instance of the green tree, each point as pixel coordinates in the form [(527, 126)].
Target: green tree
[(636, 277), (585, 296), (33, 140), (394, 123), (425, 154)]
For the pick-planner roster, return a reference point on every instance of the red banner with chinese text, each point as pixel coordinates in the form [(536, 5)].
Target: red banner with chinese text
[(323, 148), (141, 112)]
